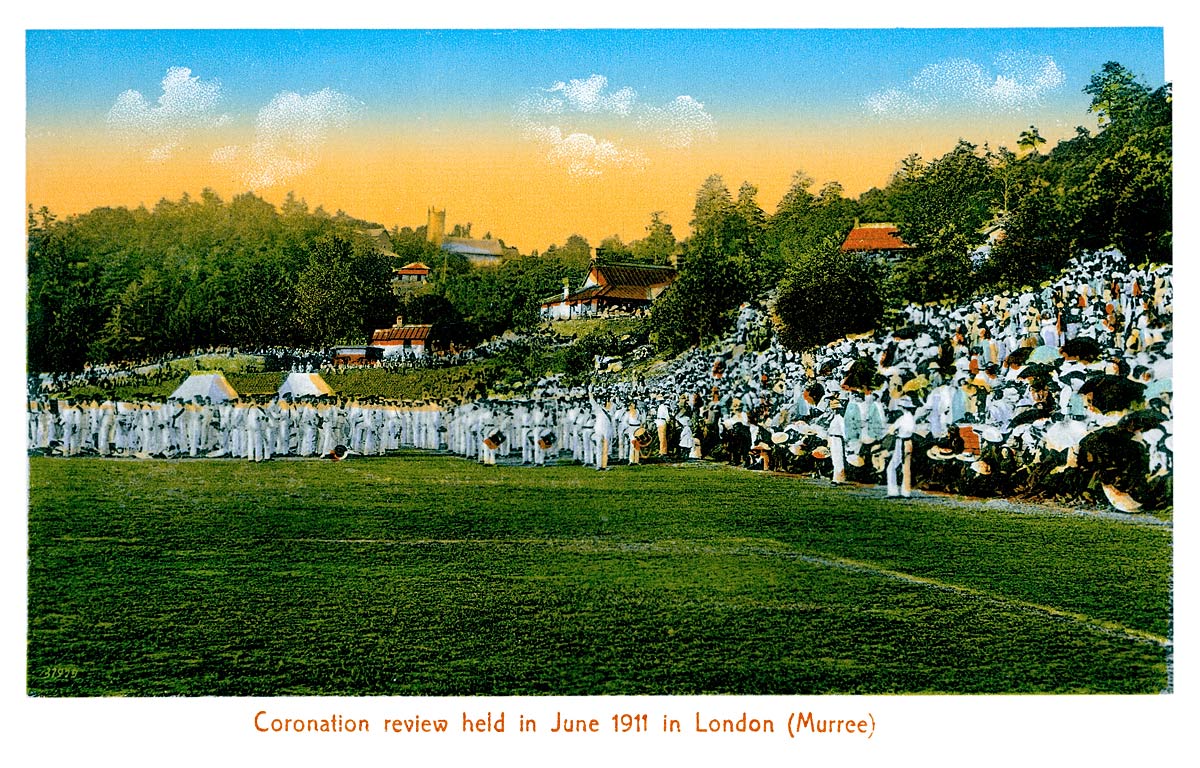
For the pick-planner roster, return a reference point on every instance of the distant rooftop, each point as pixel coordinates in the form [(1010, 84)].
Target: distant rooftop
[(380, 236), (472, 246), (404, 333), (413, 268), (642, 275), (874, 237)]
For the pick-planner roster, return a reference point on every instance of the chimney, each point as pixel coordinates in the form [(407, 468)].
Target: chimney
[(566, 287), (399, 321)]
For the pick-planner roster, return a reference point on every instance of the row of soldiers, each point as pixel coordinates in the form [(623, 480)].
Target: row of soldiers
[(858, 439), (590, 428), (253, 428), (535, 431)]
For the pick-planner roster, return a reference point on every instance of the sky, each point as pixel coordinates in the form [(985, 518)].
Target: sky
[(534, 135)]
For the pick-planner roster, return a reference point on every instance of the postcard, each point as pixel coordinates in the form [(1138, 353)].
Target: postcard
[(798, 392)]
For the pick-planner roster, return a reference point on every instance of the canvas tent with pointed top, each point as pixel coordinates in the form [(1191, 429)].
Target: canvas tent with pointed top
[(211, 386), (304, 385)]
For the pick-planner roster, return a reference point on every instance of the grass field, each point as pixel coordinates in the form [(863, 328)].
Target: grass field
[(424, 574), (582, 327)]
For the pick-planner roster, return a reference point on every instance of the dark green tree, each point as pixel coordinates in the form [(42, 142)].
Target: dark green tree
[(803, 223), (612, 249), (344, 292), (713, 204), (659, 244), (876, 205), (944, 208), (716, 269), (828, 294), (576, 251), (700, 304), (1030, 140), (1117, 95), (1126, 199), (63, 303)]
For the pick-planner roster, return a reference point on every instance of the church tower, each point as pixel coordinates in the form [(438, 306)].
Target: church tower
[(435, 228)]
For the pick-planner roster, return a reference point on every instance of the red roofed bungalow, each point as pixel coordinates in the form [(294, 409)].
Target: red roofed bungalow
[(402, 340), (415, 272), (611, 287), (875, 238)]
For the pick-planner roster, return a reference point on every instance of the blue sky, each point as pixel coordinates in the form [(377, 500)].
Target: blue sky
[(536, 134), (480, 71)]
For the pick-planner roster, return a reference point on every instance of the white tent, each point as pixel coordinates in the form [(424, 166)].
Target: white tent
[(212, 386), (304, 384)]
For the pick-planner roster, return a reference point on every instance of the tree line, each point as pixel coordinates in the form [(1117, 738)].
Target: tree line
[(118, 284)]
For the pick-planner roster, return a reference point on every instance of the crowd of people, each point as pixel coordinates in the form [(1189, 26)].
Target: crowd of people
[(403, 361), (252, 428), (1062, 392), (152, 372), (1059, 392)]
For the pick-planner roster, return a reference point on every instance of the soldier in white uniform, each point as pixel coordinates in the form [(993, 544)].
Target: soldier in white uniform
[(256, 432), (661, 418), (523, 428), (69, 418), (328, 426), (284, 412), (541, 429), (901, 459), (601, 434), (193, 426), (633, 422), (486, 431), (171, 427), (106, 428), (306, 421), (144, 443), (687, 439), (837, 442)]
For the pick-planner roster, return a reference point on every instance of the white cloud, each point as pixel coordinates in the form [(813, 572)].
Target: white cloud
[(896, 103), (680, 123), (589, 96), (290, 132), (187, 103), (583, 155), (568, 116), (1017, 81)]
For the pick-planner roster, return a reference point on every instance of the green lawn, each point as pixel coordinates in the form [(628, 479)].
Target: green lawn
[(423, 574), (582, 327)]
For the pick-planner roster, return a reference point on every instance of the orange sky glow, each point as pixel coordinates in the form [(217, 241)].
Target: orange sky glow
[(498, 185)]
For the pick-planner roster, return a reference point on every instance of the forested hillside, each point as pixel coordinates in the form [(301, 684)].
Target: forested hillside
[(117, 284)]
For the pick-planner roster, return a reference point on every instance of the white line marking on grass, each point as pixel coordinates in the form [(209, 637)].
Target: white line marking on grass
[(598, 545), (1106, 627)]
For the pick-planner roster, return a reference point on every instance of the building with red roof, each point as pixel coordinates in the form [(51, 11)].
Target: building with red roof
[(413, 272), (881, 238), (403, 340), (611, 288)]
